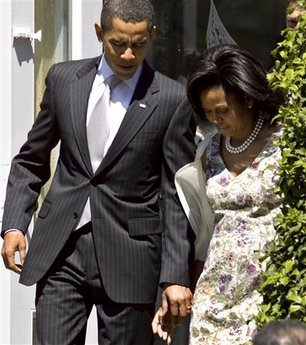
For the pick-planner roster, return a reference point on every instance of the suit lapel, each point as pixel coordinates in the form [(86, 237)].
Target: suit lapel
[(80, 91), (140, 109)]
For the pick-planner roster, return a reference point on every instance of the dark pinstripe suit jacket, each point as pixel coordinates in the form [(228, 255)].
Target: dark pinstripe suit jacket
[(140, 231)]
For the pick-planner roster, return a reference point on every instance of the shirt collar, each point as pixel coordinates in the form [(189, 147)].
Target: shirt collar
[(104, 71)]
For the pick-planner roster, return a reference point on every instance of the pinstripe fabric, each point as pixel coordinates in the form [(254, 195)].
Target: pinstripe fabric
[(65, 299), (140, 232)]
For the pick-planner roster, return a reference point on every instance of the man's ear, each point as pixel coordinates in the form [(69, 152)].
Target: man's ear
[(153, 31), (99, 32)]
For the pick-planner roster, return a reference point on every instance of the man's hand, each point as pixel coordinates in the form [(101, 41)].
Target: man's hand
[(176, 304), (14, 241), (178, 298)]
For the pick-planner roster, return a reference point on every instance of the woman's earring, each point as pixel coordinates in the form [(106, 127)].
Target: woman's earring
[(249, 103)]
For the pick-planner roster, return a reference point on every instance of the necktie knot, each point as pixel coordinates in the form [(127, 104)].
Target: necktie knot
[(112, 81)]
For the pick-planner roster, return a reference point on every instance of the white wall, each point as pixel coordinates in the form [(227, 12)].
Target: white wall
[(5, 123), (16, 106), (16, 118), (84, 14)]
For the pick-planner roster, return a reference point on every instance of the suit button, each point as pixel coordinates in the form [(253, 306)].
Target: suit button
[(75, 215)]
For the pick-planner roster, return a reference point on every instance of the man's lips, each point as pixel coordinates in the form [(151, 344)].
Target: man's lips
[(126, 66)]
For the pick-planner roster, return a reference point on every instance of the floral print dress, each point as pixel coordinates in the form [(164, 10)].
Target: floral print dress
[(245, 206)]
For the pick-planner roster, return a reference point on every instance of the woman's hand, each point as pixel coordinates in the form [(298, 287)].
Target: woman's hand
[(164, 324)]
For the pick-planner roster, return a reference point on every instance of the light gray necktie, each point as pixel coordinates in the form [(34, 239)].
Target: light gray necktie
[(98, 125), (97, 134)]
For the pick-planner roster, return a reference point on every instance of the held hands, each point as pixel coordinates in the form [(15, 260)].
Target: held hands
[(176, 305), (14, 241)]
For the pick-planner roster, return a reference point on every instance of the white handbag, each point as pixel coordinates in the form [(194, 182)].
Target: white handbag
[(190, 183)]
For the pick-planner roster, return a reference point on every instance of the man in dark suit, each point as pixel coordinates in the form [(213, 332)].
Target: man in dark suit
[(109, 231)]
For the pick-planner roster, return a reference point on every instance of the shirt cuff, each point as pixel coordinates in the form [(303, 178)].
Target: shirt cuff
[(10, 230)]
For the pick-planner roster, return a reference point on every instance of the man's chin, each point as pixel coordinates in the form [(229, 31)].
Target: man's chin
[(125, 73)]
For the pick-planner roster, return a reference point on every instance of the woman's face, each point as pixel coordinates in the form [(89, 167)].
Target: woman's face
[(230, 117)]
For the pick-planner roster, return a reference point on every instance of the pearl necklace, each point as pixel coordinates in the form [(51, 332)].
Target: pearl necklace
[(249, 140)]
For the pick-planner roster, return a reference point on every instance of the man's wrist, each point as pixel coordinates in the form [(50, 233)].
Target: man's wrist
[(11, 230)]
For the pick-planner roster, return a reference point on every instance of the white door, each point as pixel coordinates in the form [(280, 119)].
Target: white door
[(67, 32), (16, 104)]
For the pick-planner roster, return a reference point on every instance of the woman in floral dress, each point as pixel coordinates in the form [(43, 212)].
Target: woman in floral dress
[(228, 87), (226, 299)]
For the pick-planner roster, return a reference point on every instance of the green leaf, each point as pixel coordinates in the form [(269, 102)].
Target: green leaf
[(283, 287)]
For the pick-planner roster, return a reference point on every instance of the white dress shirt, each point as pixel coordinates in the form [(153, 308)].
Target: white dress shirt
[(120, 99)]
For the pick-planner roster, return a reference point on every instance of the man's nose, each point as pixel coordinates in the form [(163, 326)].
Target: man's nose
[(128, 54)]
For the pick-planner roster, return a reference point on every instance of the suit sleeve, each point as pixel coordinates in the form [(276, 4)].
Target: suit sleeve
[(178, 241), (30, 168)]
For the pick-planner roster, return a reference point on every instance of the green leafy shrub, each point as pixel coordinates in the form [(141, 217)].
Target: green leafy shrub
[(284, 284)]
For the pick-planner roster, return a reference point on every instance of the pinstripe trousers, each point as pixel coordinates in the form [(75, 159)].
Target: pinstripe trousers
[(66, 295)]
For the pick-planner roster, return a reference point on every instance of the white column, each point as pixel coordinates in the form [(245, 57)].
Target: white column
[(83, 15), (5, 150), (16, 109), (76, 29)]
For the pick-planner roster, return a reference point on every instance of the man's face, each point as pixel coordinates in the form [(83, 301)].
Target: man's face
[(125, 46), (293, 17)]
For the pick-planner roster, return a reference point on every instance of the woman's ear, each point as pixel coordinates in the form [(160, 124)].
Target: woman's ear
[(249, 102)]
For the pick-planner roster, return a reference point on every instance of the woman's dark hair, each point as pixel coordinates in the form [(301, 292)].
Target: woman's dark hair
[(238, 72)]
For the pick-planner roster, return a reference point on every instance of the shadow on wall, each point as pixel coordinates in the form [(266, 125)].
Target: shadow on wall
[(24, 50)]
